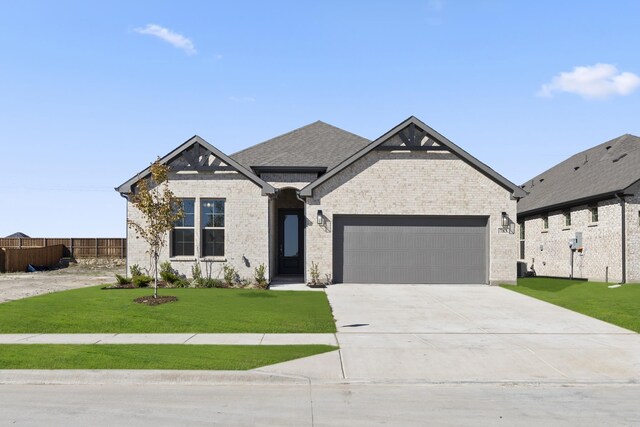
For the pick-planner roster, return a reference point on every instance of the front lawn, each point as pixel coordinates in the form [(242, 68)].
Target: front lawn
[(619, 306), (149, 356), (93, 310)]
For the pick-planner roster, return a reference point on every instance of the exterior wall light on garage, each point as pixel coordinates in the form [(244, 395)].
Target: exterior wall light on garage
[(505, 220), (320, 217)]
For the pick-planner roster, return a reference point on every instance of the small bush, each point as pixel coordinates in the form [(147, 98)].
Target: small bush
[(259, 276), (123, 280), (196, 272), (230, 275), (135, 270), (315, 274), (168, 274), (181, 283), (209, 282), (142, 280)]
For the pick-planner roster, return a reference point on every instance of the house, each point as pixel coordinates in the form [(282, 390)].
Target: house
[(407, 207), (581, 218)]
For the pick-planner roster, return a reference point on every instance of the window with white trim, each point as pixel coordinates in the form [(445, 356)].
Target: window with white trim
[(212, 223), (522, 234), (182, 235)]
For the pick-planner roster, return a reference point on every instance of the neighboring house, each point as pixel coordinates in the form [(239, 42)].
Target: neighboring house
[(594, 198), (17, 235), (408, 207)]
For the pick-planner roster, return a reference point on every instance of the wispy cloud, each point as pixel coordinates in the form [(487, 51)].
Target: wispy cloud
[(169, 36), (592, 82), (242, 99)]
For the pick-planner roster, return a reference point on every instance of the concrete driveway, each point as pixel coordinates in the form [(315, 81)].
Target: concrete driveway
[(454, 333)]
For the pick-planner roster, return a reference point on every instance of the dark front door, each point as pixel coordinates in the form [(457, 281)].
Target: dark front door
[(290, 241)]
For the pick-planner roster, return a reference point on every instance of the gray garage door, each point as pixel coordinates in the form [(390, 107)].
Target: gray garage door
[(409, 249)]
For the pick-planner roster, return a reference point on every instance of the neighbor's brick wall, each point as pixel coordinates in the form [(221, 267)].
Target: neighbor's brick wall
[(601, 241), (633, 238), (416, 183), (246, 223)]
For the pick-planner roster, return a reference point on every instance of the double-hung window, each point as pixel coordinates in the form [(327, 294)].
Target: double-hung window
[(567, 218), (545, 222), (182, 235), (212, 222)]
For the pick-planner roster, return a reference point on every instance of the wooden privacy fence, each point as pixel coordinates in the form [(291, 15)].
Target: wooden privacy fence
[(73, 247), (18, 259)]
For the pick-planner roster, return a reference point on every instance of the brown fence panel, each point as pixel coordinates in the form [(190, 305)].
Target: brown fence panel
[(19, 259), (2, 269), (73, 247)]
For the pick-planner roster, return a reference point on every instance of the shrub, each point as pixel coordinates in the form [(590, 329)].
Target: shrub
[(135, 270), (123, 280), (182, 283), (314, 272), (168, 274), (196, 272), (230, 275), (259, 276), (209, 282), (142, 280)]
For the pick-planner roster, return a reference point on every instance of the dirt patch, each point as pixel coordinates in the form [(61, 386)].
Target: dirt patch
[(23, 285), (150, 300)]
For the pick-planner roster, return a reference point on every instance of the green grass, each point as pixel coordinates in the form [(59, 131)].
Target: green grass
[(619, 306), (149, 356), (93, 310)]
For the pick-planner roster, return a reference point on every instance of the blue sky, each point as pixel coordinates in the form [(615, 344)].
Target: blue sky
[(92, 92)]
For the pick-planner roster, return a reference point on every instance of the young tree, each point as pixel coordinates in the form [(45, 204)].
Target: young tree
[(160, 210)]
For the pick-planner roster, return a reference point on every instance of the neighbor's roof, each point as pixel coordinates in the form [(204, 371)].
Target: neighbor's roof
[(16, 235), (596, 173), (316, 145)]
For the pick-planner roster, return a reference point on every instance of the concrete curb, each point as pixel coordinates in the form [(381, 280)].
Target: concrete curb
[(146, 377)]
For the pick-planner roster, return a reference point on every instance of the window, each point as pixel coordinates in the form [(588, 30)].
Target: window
[(545, 222), (567, 218), (212, 221), (522, 234), (182, 235), (593, 213)]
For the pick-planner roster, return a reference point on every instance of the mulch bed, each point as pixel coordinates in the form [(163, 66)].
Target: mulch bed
[(150, 300)]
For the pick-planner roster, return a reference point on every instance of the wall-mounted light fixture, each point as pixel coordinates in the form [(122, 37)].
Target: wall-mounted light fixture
[(505, 220), (320, 217)]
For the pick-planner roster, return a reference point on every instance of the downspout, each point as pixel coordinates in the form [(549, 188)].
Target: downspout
[(624, 238), (126, 259)]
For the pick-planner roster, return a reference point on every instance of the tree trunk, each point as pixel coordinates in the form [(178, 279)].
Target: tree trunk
[(155, 284)]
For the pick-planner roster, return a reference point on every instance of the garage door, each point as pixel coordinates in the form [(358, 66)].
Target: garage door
[(410, 249)]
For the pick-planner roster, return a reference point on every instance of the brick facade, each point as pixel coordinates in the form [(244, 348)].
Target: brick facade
[(412, 183), (601, 258), (246, 224)]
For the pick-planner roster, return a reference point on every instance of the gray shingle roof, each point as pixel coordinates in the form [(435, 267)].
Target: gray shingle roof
[(603, 170), (316, 145)]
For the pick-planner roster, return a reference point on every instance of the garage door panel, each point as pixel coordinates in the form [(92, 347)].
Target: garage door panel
[(397, 249)]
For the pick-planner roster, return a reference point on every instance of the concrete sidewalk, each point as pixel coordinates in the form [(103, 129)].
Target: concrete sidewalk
[(220, 339)]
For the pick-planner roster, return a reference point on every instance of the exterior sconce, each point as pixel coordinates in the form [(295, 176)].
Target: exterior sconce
[(320, 217), (505, 220)]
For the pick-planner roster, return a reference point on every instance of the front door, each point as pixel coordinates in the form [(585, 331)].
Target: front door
[(290, 241)]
